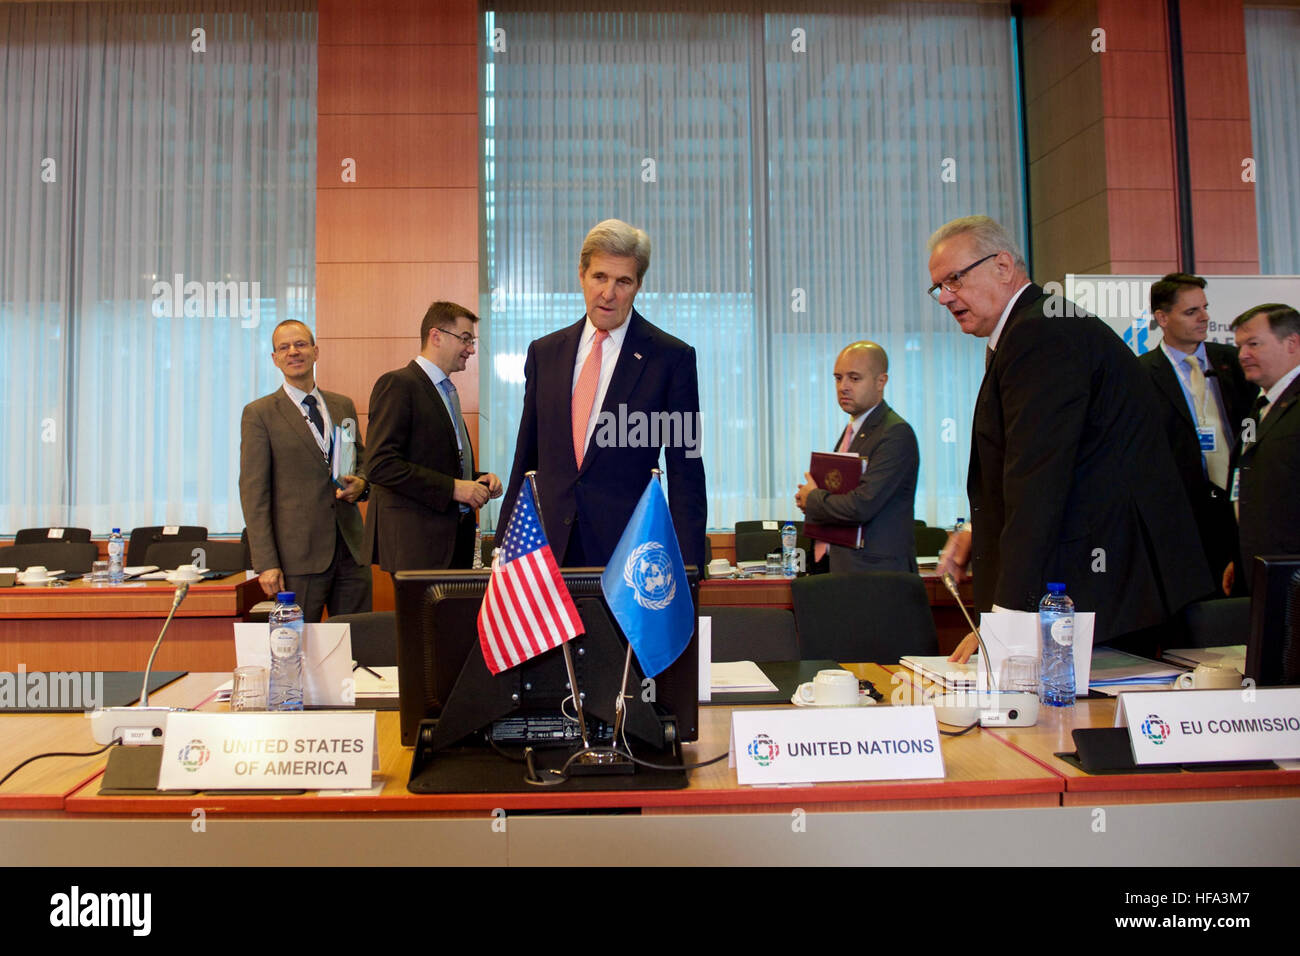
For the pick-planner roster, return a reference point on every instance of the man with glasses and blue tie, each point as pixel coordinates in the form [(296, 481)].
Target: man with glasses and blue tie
[(304, 531), (1070, 478), (420, 460)]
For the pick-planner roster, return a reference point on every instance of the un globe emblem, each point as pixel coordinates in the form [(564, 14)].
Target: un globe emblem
[(649, 573)]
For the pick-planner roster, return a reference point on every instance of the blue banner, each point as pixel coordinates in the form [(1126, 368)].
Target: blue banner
[(646, 588)]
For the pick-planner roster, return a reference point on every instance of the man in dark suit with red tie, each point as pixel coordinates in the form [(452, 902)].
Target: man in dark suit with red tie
[(1268, 457), (304, 532), (1203, 398), (421, 514), (602, 398), (1070, 477)]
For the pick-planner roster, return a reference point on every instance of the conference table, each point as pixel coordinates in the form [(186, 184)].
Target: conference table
[(1004, 797), (80, 627)]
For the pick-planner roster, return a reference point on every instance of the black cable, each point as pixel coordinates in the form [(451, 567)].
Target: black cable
[(958, 733), (93, 753)]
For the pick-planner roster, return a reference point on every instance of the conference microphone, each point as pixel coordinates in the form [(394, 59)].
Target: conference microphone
[(992, 708), (139, 724)]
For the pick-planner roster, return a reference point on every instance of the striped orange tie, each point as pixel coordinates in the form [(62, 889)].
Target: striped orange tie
[(584, 394), (819, 547)]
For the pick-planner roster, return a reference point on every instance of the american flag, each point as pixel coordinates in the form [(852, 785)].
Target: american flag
[(527, 608)]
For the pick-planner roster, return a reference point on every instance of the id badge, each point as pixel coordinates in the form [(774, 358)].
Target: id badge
[(1236, 485), (1209, 438)]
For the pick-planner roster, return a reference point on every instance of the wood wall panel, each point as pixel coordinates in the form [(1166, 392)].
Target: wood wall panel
[(1064, 110), (398, 22), (397, 79), (402, 150), (397, 225), (1225, 226), (1217, 85), (388, 299), (1069, 174), (1217, 149), (1146, 158), (1142, 224), (1133, 25), (1212, 26), (1135, 84)]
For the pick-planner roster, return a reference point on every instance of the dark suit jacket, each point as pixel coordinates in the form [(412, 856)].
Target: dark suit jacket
[(285, 488), (1269, 467), (655, 373), (1071, 479), (883, 502), (413, 464), (1210, 505)]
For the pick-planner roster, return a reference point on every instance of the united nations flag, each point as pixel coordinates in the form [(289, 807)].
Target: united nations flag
[(645, 585)]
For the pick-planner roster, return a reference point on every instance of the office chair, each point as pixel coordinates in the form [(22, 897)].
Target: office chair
[(757, 545), (73, 557), (753, 634), (225, 556), (137, 549), (877, 616), (42, 535), (748, 526), (1218, 622), (374, 637), (929, 541)]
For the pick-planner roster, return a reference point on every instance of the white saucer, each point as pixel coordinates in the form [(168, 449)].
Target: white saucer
[(864, 700), (174, 578)]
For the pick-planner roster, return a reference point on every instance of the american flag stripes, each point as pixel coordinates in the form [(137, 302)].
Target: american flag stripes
[(527, 609)]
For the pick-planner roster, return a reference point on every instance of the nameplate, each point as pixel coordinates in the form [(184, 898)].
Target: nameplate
[(1203, 726), (171, 529), (268, 751), (54, 533), (797, 745)]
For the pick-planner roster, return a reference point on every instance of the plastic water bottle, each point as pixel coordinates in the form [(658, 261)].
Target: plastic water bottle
[(285, 690), (789, 538), (476, 563), (1056, 622), (116, 548)]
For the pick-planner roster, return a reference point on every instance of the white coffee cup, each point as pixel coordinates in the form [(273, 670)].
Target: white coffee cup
[(830, 688), (719, 566), (1208, 676), (186, 572), (36, 574)]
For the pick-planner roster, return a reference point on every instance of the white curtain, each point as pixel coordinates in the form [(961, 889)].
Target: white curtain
[(140, 142), (788, 168), (1273, 62)]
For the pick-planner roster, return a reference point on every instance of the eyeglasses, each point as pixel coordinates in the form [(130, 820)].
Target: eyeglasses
[(953, 282), (284, 347), (465, 337)]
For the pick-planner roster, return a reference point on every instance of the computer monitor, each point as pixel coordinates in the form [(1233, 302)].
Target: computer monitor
[(441, 672), (1273, 652)]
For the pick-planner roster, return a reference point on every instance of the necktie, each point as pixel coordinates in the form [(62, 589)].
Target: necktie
[(988, 357), (584, 394), (820, 548), (1261, 407), (313, 416), (458, 422), (1207, 416)]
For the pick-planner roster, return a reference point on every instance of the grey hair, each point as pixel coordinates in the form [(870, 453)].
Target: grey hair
[(989, 237), (614, 237)]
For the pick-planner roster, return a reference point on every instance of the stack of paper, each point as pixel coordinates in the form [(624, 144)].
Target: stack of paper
[(739, 677), (1230, 655), (1114, 671)]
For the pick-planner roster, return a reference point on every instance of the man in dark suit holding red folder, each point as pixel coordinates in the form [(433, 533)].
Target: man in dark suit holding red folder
[(883, 501)]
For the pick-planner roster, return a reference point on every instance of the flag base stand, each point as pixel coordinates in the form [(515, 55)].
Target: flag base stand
[(601, 764)]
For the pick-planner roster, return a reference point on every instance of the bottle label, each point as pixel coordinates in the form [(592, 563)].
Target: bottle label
[(1063, 631), (284, 642)]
